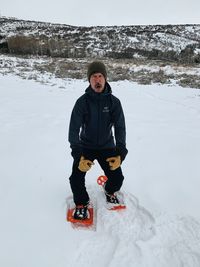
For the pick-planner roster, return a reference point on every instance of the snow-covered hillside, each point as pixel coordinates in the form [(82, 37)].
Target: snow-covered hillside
[(179, 43), (161, 226)]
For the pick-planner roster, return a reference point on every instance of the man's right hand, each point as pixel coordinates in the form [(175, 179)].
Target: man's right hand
[(85, 164)]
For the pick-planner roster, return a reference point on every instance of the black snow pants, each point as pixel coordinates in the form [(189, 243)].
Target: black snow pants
[(77, 178)]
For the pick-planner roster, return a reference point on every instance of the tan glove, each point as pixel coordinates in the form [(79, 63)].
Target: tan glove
[(85, 164), (114, 162)]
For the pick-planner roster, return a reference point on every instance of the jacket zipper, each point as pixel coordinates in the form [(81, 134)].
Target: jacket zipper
[(98, 120)]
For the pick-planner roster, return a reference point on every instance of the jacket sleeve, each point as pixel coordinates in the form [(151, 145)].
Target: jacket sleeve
[(120, 129), (74, 128)]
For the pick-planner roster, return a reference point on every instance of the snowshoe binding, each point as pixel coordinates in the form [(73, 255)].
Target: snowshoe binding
[(111, 198)]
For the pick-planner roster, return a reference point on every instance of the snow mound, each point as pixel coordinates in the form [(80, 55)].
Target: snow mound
[(116, 233), (133, 238), (176, 243), (134, 223)]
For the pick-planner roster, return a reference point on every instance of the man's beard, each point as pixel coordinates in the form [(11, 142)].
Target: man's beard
[(98, 86)]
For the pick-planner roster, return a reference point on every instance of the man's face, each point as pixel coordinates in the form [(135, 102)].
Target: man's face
[(97, 82)]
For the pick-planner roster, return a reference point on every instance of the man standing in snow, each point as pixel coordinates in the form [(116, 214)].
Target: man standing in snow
[(93, 117)]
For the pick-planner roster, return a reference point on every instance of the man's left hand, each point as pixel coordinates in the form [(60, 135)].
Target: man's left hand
[(114, 162)]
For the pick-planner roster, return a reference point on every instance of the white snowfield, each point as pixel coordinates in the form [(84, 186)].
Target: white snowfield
[(161, 225)]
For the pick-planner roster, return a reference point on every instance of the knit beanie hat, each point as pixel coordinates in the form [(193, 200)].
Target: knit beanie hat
[(96, 67)]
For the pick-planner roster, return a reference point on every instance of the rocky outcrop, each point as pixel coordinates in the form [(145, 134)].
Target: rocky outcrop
[(177, 43)]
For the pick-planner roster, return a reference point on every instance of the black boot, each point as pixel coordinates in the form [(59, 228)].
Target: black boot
[(111, 198), (81, 212)]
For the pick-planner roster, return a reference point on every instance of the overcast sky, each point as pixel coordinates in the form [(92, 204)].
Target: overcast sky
[(104, 12)]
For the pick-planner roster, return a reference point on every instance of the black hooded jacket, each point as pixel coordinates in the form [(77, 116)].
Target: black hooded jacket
[(93, 119)]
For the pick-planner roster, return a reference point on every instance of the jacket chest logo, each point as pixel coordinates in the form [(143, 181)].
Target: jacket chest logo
[(106, 109)]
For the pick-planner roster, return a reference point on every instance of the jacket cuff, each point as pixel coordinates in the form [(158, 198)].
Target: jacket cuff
[(76, 152), (122, 151)]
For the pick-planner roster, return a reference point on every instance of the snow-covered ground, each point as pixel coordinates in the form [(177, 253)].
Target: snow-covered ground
[(25, 67), (161, 225)]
